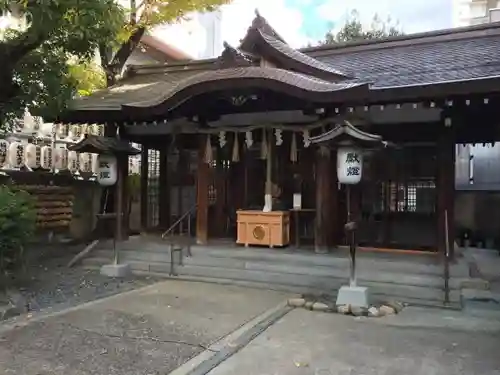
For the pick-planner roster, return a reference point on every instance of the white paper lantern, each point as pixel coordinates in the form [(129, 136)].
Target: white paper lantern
[(29, 123), (107, 170), (4, 151), (47, 157), (16, 155), (95, 163), (349, 165), (85, 162), (62, 131), (32, 156), (73, 162), (61, 158)]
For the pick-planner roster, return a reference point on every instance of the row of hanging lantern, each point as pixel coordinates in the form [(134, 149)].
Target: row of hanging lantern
[(304, 135), (17, 154)]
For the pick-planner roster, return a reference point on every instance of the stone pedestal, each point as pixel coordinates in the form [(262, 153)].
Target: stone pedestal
[(116, 270), (356, 296)]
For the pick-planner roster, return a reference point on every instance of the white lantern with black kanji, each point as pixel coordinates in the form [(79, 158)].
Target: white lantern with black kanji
[(85, 162), (32, 156), (4, 151), (349, 165), (95, 163), (73, 162), (107, 170), (47, 157), (61, 158), (16, 155)]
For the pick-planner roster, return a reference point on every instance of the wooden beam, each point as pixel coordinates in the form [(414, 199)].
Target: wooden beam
[(446, 189), (202, 195), (164, 198)]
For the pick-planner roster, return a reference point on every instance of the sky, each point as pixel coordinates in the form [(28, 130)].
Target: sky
[(301, 22)]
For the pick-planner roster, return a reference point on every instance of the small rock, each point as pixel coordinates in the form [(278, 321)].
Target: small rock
[(296, 302), (320, 306), (373, 312), (359, 311), (7, 312), (309, 305), (344, 309), (397, 306), (386, 310)]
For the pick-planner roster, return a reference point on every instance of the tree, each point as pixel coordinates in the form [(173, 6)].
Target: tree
[(34, 58), (142, 15), (44, 64), (353, 30)]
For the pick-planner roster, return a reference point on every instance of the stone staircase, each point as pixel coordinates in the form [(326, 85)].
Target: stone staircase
[(415, 279)]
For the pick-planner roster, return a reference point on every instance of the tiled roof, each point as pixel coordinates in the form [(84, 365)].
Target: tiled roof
[(418, 63), (99, 145), (300, 57), (142, 87), (292, 79)]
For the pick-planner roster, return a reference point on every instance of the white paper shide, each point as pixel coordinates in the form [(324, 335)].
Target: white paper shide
[(349, 165), (107, 170)]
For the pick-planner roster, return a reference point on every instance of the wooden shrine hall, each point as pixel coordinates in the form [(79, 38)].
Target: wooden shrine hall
[(229, 138)]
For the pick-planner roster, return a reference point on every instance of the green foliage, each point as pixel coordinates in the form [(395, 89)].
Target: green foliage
[(36, 60), (353, 30), (17, 224), (86, 76)]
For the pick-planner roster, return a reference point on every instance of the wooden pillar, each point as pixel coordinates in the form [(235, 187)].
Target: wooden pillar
[(122, 218), (322, 223), (164, 198), (144, 187), (335, 226), (445, 184), (202, 195)]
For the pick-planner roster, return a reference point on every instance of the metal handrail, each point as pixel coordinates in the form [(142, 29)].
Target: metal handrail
[(174, 250), (178, 221)]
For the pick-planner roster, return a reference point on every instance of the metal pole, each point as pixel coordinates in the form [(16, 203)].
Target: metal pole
[(352, 239), (446, 260)]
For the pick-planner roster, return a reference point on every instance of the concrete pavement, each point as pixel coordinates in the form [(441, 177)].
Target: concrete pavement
[(416, 342), (147, 331)]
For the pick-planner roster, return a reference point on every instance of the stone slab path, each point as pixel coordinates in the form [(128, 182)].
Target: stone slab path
[(152, 330)]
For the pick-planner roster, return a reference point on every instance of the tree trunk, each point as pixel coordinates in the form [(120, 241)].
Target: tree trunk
[(114, 67)]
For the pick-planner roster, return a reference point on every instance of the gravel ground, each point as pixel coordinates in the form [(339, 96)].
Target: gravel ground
[(51, 284)]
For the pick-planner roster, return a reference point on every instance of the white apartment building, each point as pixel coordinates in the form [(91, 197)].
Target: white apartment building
[(475, 12)]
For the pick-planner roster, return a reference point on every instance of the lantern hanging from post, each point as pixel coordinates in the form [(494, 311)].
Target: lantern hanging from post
[(107, 170), (32, 156), (4, 150), (349, 165), (85, 162), (47, 157), (16, 155), (73, 161), (61, 158)]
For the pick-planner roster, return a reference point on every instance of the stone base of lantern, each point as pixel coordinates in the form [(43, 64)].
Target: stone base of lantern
[(116, 270), (355, 296)]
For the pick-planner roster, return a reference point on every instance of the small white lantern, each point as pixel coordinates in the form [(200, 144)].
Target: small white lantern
[(107, 170), (61, 158), (73, 162), (32, 156), (47, 157), (95, 163), (16, 155), (85, 162), (349, 165), (4, 151)]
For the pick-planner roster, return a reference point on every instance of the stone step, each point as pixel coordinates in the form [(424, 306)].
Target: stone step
[(399, 291), (154, 258)]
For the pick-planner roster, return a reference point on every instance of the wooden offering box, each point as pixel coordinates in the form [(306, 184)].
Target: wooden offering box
[(263, 228)]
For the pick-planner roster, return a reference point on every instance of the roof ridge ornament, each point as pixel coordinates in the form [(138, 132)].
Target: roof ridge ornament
[(232, 57)]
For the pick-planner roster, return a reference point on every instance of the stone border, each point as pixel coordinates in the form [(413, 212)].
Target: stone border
[(387, 308)]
